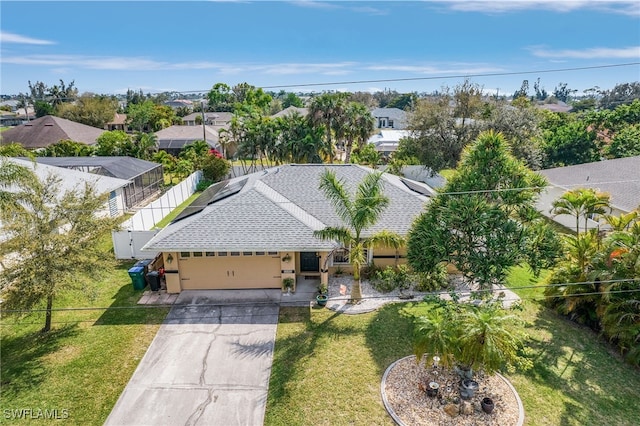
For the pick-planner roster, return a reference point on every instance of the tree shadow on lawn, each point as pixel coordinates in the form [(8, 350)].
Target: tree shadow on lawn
[(291, 352), (23, 358), (599, 387), (125, 310), (389, 335)]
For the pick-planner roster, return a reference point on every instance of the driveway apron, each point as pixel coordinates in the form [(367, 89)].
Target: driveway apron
[(208, 365)]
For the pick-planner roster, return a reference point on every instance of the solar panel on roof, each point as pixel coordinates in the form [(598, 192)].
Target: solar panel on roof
[(216, 192), (416, 187)]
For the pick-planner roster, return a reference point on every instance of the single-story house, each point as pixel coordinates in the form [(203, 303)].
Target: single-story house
[(290, 111), (174, 138), (211, 119), (144, 178), (48, 130), (253, 231), (620, 178), (74, 179), (390, 118), (179, 103), (119, 122)]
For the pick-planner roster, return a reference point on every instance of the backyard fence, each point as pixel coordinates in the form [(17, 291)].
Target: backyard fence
[(140, 228)]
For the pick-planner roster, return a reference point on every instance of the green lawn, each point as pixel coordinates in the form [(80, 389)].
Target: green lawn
[(175, 212), (327, 367), (84, 363)]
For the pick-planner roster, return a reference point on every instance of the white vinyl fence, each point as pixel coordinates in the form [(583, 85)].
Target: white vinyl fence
[(138, 230)]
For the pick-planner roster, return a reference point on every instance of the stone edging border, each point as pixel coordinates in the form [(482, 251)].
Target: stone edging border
[(399, 422)]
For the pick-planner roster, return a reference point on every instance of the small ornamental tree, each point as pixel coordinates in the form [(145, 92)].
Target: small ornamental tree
[(51, 240), (483, 221)]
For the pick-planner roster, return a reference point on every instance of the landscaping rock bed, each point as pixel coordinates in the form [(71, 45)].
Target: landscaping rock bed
[(404, 396)]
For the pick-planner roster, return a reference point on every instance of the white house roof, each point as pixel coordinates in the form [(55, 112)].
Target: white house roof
[(73, 179), (279, 208), (385, 137), (619, 177)]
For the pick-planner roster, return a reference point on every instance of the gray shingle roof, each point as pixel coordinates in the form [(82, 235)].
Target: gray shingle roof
[(178, 136), (290, 111), (48, 130), (619, 177), (72, 180), (279, 209)]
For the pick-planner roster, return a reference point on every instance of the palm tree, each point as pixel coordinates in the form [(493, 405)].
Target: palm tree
[(622, 222), (357, 125), (357, 214), (488, 339), (325, 110), (581, 202)]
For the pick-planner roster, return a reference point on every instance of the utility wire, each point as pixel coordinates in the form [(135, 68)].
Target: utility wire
[(391, 80), (436, 293), (289, 304)]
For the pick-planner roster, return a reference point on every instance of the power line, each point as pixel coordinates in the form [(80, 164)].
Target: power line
[(497, 74), (382, 296), (391, 80)]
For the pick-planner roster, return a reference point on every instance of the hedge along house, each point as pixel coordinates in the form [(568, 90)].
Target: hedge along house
[(256, 230)]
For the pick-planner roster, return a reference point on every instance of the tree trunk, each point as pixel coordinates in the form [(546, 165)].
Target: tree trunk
[(356, 292), (47, 320)]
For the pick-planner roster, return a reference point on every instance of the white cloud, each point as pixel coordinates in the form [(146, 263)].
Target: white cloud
[(632, 52), (428, 69), (368, 9), (6, 37), (624, 7)]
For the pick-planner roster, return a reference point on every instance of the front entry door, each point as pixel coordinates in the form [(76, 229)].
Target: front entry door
[(309, 262)]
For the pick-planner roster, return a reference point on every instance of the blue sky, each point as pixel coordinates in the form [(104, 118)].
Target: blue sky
[(109, 47)]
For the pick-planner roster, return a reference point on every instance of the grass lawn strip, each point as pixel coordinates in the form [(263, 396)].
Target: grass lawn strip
[(327, 367), (84, 363)]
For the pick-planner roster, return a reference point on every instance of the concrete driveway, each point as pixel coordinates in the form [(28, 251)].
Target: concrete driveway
[(209, 365)]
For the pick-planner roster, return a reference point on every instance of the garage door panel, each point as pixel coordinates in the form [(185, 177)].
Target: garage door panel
[(230, 272)]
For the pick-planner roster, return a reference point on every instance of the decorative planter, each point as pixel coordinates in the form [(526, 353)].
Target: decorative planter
[(487, 405), (468, 388), (322, 299)]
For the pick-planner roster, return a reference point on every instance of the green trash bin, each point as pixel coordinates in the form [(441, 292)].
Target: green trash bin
[(137, 277)]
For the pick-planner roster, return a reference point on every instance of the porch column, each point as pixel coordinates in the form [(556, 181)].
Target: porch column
[(324, 269)]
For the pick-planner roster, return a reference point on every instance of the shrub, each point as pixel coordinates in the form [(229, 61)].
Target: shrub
[(369, 272), (215, 168), (203, 184), (432, 281), (390, 278)]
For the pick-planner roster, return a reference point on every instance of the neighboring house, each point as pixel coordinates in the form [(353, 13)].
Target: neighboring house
[(253, 231), (143, 178), (386, 141), (179, 103), (10, 119), (11, 103), (390, 118), (75, 179), (48, 130), (556, 107), (174, 138), (119, 123), (290, 111), (211, 119), (620, 178)]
